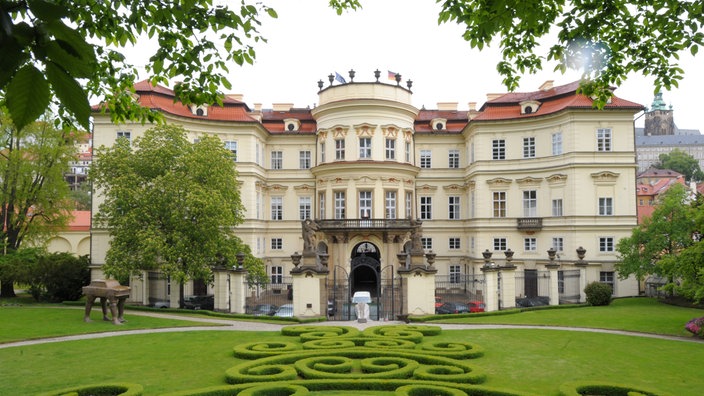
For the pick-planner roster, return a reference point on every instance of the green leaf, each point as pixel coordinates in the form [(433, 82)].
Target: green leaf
[(694, 49), (27, 96), (70, 93), (73, 41), (47, 11), (75, 66)]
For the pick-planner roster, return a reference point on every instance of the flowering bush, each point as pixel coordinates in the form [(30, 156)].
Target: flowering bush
[(696, 327)]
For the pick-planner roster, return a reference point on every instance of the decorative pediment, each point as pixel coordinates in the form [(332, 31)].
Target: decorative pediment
[(455, 187), (274, 187), (390, 181), (364, 129), (499, 182), (529, 180), (409, 182), (322, 135), (304, 188), (529, 106), (426, 187), (408, 134), (390, 131), (605, 177), (339, 131), (557, 178), (471, 184)]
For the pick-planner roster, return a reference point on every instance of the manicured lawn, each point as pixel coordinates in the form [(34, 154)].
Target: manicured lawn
[(645, 315), (526, 360)]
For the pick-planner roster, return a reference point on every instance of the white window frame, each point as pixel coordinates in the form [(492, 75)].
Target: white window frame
[(529, 147), (365, 148), (426, 208), (557, 143), (499, 204), (604, 139), (390, 149), (340, 199), (277, 274), (426, 243), (409, 205), (453, 159), (426, 159), (530, 203), (498, 149), (606, 206), (277, 208), (558, 243), (455, 273), (530, 244), (277, 160), (557, 207), (304, 207), (365, 204), (277, 244), (607, 278), (606, 244), (339, 149), (232, 146), (124, 134), (455, 243), (499, 244), (453, 207), (304, 159), (322, 151), (390, 205), (321, 205), (408, 151)]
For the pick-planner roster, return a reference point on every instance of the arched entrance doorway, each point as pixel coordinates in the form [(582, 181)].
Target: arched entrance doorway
[(365, 268)]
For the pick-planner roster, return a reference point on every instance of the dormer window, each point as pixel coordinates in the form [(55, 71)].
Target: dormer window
[(292, 124), (529, 106), (438, 124), (200, 111)]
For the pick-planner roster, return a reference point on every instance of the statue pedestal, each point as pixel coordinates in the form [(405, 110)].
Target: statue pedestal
[(418, 290), (309, 297)]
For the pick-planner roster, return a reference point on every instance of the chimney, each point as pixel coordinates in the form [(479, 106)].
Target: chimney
[(492, 96), (472, 106), (237, 97), (282, 106), (547, 85), (447, 106)]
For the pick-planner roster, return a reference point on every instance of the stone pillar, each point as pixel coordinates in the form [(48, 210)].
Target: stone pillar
[(508, 286), (221, 289), (553, 287), (238, 290), (418, 283), (491, 291), (582, 266), (309, 294), (137, 289)]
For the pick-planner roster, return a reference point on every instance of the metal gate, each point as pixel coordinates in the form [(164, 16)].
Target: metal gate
[(266, 299), (385, 292)]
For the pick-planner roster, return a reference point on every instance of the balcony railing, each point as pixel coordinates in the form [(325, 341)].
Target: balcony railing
[(379, 224), (530, 223)]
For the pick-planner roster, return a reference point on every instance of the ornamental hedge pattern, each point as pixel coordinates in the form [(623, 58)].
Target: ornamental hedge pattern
[(398, 360)]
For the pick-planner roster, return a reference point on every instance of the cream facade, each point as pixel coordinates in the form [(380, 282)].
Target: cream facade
[(526, 172)]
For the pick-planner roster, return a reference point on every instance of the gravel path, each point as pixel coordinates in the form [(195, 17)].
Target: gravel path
[(231, 325)]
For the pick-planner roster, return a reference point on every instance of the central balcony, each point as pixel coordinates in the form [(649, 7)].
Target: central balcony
[(530, 223), (365, 224)]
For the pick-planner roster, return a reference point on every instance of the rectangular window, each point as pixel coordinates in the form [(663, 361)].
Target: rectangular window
[(498, 149), (304, 159), (277, 159), (530, 203), (390, 149), (409, 205), (455, 274), (277, 244), (365, 148), (561, 282), (557, 207), (499, 204), (321, 205), (277, 274), (339, 204), (603, 139), (390, 210), (453, 210), (607, 277), (232, 146), (408, 151), (256, 154), (606, 207), (125, 134), (259, 204), (454, 243), (530, 244), (529, 147), (426, 208), (425, 158), (427, 243), (606, 244), (557, 143), (339, 149), (322, 152), (304, 206), (453, 158), (500, 244), (365, 204), (277, 208), (558, 244)]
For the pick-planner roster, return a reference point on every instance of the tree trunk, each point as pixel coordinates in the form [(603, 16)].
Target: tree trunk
[(7, 288)]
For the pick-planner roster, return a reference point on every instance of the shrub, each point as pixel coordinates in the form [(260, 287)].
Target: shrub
[(598, 293), (58, 277)]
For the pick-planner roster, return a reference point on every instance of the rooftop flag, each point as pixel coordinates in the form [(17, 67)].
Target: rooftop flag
[(339, 78), (392, 75)]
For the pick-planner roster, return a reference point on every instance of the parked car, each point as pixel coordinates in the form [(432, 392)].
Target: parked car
[(285, 311), (162, 304), (528, 302), (476, 306), (438, 303), (199, 302), (265, 310), (452, 308)]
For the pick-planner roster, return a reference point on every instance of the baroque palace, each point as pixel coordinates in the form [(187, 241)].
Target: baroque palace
[(527, 182)]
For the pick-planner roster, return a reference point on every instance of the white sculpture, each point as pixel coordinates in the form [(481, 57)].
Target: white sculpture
[(362, 310)]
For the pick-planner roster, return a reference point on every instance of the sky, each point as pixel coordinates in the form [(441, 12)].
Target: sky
[(308, 41)]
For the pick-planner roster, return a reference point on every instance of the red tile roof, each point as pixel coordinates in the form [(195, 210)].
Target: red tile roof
[(80, 221)]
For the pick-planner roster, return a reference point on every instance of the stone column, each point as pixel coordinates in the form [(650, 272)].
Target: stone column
[(491, 282), (221, 288), (309, 297), (582, 266), (418, 283), (137, 290), (553, 287), (508, 286), (238, 290)]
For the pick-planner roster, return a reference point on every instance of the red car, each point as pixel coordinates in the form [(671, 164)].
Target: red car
[(476, 306)]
